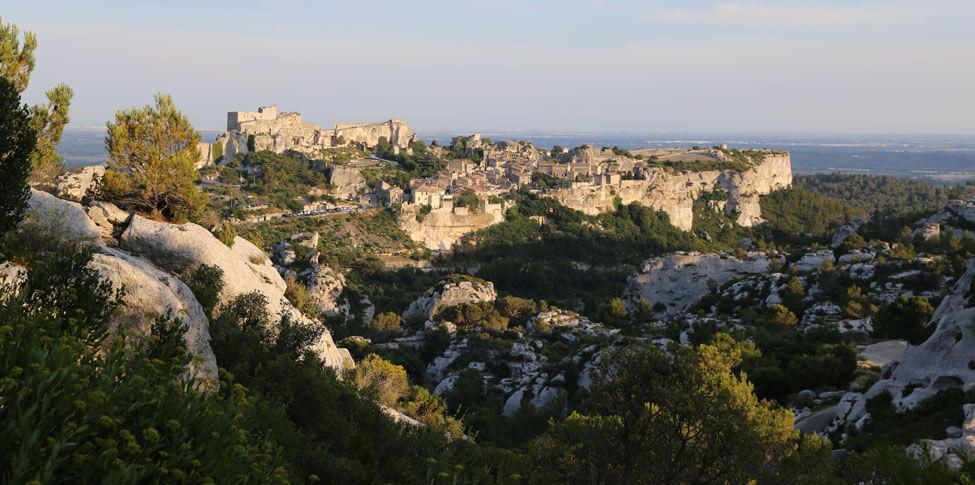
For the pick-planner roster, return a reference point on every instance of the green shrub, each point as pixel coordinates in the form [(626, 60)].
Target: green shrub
[(226, 233), (206, 282), (115, 413)]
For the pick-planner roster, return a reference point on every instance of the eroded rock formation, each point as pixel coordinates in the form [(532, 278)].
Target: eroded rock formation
[(183, 248), (451, 293), (679, 280), (945, 360), (674, 192)]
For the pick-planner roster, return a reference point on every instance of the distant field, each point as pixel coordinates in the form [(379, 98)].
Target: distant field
[(948, 159)]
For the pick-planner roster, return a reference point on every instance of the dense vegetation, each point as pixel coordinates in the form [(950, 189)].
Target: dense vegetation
[(871, 194), (797, 211), (283, 180), (544, 250)]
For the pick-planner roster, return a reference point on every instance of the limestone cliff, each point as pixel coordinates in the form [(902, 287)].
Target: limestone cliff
[(441, 228), (674, 192)]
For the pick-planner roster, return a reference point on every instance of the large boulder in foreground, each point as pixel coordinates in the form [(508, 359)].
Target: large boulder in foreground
[(149, 293), (181, 248), (60, 218), (455, 290)]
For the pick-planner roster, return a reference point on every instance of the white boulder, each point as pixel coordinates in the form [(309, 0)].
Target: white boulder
[(60, 218), (181, 248), (75, 185), (150, 292)]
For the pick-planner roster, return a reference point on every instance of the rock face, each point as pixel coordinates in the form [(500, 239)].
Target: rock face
[(74, 185), (675, 192), (945, 360), (679, 280), (396, 132), (60, 218), (347, 181), (148, 292), (325, 286), (442, 228), (182, 248), (449, 294)]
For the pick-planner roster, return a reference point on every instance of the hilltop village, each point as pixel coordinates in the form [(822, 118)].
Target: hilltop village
[(468, 189)]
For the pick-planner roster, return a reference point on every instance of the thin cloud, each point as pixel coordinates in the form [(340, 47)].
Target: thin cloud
[(796, 16)]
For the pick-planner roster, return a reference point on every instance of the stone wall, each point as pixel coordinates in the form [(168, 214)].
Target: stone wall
[(674, 192)]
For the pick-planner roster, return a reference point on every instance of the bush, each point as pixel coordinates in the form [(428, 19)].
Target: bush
[(386, 381), (226, 233), (152, 161), (206, 283), (110, 413), (905, 318), (385, 324)]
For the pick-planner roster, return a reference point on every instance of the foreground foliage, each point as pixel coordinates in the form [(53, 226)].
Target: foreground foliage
[(80, 409)]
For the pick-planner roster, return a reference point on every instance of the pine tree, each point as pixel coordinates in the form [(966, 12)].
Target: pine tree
[(152, 155), (48, 121), (16, 144)]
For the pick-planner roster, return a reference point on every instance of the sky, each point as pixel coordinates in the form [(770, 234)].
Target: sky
[(555, 66)]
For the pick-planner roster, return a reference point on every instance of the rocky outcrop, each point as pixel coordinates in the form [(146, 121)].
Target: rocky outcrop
[(325, 286), (346, 182), (60, 218), (679, 280), (954, 450), (455, 291), (182, 248), (674, 192), (945, 360), (74, 185), (149, 293), (442, 228)]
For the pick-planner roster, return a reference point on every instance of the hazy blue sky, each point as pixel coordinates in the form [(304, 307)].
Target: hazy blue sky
[(883, 66)]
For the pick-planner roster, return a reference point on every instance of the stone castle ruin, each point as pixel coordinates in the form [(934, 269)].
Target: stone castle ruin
[(269, 129)]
